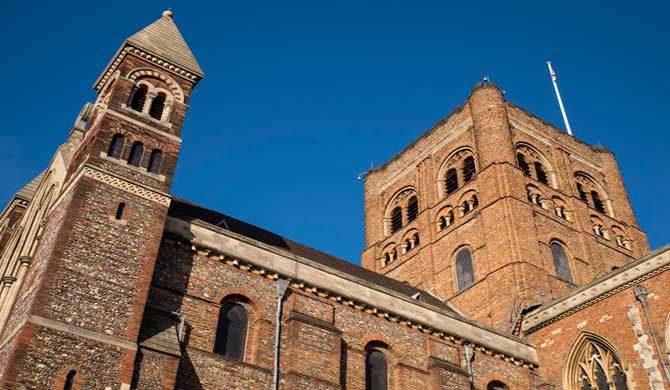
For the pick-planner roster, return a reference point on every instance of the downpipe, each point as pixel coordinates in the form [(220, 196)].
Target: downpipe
[(282, 287), (468, 355), (641, 294)]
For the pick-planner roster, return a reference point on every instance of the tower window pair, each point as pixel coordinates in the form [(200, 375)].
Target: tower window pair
[(136, 153), (534, 168), (139, 98), (468, 171), (590, 193), (405, 211)]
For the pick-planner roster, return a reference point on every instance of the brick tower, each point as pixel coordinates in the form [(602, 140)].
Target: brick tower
[(495, 211), (79, 293)]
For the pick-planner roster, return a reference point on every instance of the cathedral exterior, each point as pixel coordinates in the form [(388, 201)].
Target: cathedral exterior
[(500, 253)]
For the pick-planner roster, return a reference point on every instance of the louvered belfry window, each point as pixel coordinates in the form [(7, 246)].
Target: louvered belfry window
[(561, 263), (231, 332), (523, 164), (582, 194), (396, 219), (451, 181), (541, 174), (412, 209), (468, 169), (157, 106), (139, 98), (597, 202)]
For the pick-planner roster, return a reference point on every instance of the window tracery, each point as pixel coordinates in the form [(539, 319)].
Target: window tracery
[(593, 365)]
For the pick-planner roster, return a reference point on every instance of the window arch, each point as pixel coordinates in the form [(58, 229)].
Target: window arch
[(497, 385), (231, 331), (157, 106), (561, 263), (376, 369), (69, 380), (139, 98), (534, 164), (465, 275), (135, 156), (469, 169), (445, 218), (593, 363), (401, 210), (592, 193), (458, 169), (155, 160), (116, 146)]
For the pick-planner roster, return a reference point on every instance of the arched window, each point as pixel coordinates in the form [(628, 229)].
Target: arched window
[(597, 202), (69, 380), (593, 365), (446, 220), (451, 183), (396, 219), (135, 156), (231, 332), (376, 370), (412, 209), (465, 274), (523, 164), (541, 174), (496, 385), (582, 194), (155, 161), (468, 169), (139, 97), (561, 263), (116, 146), (157, 106)]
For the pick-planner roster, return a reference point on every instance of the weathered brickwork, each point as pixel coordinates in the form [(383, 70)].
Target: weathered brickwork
[(508, 234), (110, 281)]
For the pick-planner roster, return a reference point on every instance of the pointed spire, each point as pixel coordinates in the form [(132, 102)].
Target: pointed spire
[(163, 39)]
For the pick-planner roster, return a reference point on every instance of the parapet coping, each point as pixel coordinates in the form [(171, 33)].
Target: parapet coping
[(618, 280), (311, 276)]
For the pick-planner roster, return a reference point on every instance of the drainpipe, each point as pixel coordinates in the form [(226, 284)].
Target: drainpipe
[(468, 354), (182, 324), (282, 286), (641, 294)]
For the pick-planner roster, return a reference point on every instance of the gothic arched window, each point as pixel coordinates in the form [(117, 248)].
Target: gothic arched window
[(231, 331), (69, 380), (157, 106), (451, 181), (468, 169), (116, 146), (412, 209), (155, 161), (139, 98), (593, 365), (561, 263), (465, 274), (135, 156), (376, 370), (396, 219)]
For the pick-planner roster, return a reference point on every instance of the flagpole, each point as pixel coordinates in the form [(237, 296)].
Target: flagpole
[(558, 96)]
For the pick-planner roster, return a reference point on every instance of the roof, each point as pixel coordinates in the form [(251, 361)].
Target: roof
[(183, 209), (28, 191), (163, 39)]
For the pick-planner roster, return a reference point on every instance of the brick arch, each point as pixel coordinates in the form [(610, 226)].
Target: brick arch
[(571, 363), (253, 300), (590, 183), (59, 378), (536, 155), (176, 89), (453, 160), (399, 199)]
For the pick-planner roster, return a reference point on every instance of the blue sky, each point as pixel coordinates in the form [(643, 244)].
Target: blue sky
[(302, 96)]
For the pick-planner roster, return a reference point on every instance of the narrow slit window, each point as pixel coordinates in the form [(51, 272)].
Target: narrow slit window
[(465, 275), (523, 164), (155, 161), (412, 209), (69, 380), (116, 146), (396, 219), (451, 182), (541, 174), (561, 263), (468, 169), (136, 151), (139, 98), (157, 106), (120, 210)]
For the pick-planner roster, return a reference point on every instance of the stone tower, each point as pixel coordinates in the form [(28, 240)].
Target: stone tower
[(80, 286), (494, 210)]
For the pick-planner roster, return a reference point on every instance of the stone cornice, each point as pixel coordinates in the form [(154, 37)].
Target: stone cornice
[(128, 49), (598, 290), (309, 276)]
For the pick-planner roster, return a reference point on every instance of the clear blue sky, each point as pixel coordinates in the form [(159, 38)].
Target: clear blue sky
[(300, 97)]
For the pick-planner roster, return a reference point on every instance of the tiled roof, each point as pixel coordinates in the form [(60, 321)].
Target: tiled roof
[(183, 209), (163, 39)]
